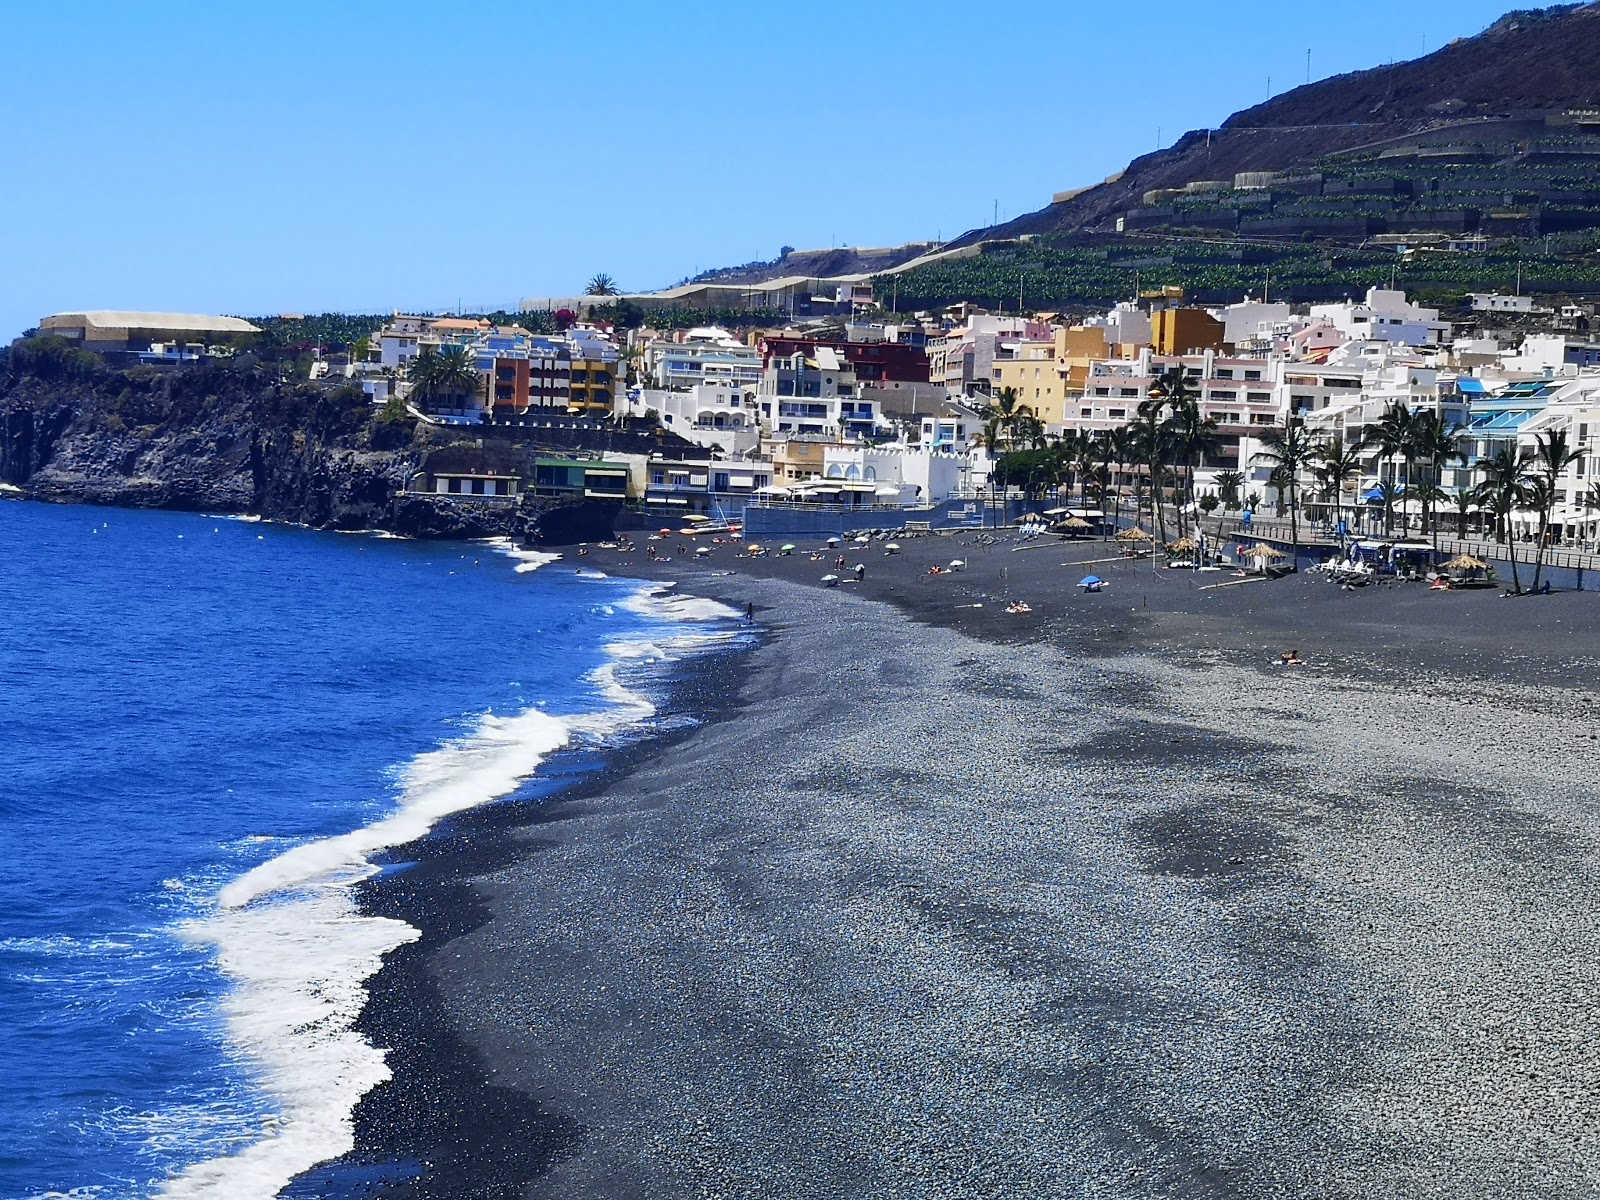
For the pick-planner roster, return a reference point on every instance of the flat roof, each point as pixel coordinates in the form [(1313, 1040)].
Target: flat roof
[(122, 319)]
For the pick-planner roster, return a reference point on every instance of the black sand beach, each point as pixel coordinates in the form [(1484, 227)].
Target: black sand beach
[(1094, 901)]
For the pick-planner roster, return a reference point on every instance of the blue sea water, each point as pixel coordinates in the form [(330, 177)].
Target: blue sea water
[(209, 726)]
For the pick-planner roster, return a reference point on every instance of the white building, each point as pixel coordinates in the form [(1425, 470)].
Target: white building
[(1387, 316), (908, 475), (708, 414)]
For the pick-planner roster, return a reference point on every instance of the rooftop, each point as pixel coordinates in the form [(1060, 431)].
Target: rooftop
[(172, 322)]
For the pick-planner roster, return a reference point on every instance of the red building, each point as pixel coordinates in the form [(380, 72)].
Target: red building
[(874, 362)]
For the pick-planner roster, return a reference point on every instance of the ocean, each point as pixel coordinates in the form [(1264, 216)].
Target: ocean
[(212, 729)]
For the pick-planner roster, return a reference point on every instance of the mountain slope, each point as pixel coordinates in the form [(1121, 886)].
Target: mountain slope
[(1526, 65)]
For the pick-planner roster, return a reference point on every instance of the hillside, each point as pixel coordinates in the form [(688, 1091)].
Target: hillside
[(1502, 102)]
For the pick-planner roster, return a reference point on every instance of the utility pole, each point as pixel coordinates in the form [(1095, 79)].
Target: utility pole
[(996, 220), (1308, 65), (1269, 87)]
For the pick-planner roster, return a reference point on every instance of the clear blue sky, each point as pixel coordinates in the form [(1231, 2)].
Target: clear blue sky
[(344, 155)]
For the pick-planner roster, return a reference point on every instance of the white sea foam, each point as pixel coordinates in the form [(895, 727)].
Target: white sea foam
[(527, 560), (290, 937)]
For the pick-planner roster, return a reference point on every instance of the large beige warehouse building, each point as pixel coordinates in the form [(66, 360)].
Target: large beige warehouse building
[(108, 331)]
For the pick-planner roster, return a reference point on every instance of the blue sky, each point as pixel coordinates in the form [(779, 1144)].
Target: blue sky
[(344, 155)]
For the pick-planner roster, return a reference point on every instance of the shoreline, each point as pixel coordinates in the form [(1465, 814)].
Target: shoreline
[(1214, 842)]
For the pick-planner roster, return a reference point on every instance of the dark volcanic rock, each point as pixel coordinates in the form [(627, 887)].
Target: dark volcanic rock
[(219, 438)]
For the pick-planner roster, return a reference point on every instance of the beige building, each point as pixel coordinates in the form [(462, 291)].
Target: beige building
[(1033, 369), (108, 331)]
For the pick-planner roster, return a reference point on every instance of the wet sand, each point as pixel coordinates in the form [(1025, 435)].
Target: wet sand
[(1092, 901)]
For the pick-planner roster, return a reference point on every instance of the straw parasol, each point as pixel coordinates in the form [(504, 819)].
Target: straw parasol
[(1264, 552), (1182, 546), (1076, 523), (1465, 562), (1134, 535)]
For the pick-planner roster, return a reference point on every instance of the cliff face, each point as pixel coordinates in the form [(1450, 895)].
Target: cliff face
[(217, 438)]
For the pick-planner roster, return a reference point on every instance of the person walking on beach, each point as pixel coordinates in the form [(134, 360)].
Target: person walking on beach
[(861, 572), (749, 611)]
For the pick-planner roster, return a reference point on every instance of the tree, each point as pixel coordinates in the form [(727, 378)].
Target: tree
[(1150, 440), (1290, 449), (1229, 484), (1464, 502), (1503, 491), (1552, 455), (1429, 495), (1337, 464), (1391, 436), (1435, 443), (1007, 408), (446, 372), (601, 285), (1192, 438)]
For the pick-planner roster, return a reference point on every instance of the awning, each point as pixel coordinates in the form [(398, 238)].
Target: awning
[(666, 500), (887, 490), (748, 481), (604, 473), (697, 480)]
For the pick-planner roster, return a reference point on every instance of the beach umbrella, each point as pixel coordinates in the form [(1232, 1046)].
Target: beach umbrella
[(664, 532), (1182, 546), (1076, 523), (830, 581), (1264, 552), (703, 550), (833, 541), (1134, 535), (1465, 562), (891, 548), (787, 548), (957, 564), (1091, 583)]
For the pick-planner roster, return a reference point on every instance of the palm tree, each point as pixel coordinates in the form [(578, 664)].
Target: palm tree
[(446, 372), (1435, 443), (1291, 450), (1228, 485), (602, 285), (1151, 444), (1391, 435), (1503, 491), (1006, 407), (1337, 464), (1552, 455), (1464, 501), (1193, 437), (1430, 495)]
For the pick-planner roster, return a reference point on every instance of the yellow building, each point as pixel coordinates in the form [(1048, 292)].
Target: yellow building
[(1185, 331), (1037, 377), (594, 383)]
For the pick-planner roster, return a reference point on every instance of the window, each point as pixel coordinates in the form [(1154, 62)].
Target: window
[(1224, 396), (1262, 397), (1099, 391), (1224, 373), (1088, 412), (1117, 414), (1252, 376), (1126, 392)]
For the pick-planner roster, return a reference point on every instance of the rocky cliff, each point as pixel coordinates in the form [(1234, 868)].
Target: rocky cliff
[(231, 438)]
